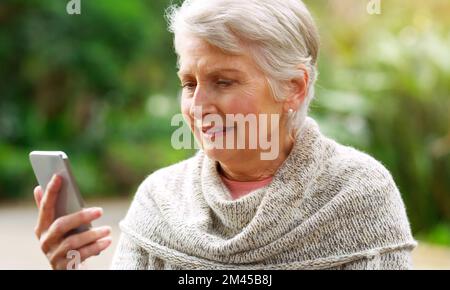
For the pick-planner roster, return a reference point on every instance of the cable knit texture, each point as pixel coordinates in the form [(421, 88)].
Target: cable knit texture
[(328, 207)]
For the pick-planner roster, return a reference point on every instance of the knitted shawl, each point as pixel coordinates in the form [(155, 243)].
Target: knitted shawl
[(327, 205)]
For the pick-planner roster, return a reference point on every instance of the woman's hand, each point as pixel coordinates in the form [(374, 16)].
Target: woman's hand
[(52, 233)]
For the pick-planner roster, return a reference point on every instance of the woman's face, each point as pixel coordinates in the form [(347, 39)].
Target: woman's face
[(218, 84)]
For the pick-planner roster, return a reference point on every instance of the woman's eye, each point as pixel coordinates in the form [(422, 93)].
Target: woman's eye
[(224, 83), (188, 85)]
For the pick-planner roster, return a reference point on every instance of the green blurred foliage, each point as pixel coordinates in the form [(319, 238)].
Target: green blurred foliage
[(102, 86), (86, 84)]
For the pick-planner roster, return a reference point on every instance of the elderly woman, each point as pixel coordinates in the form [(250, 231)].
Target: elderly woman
[(315, 205)]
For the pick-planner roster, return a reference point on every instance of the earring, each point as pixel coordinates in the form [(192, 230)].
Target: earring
[(290, 111)]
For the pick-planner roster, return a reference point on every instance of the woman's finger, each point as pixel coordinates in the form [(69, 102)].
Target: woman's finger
[(81, 254), (84, 239), (95, 248), (38, 196), (60, 227), (47, 205), (78, 241)]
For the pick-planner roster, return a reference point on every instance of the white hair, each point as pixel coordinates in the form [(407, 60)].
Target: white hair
[(281, 34)]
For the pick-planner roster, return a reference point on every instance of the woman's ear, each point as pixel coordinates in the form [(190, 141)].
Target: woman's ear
[(298, 90)]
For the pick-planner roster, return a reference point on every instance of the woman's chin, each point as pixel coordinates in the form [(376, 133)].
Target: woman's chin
[(221, 155)]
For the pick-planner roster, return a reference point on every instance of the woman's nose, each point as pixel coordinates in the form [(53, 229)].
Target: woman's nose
[(200, 95), (202, 102)]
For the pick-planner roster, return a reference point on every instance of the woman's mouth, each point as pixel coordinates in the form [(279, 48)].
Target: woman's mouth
[(214, 132)]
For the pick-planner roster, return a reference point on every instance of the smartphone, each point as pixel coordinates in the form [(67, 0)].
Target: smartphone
[(47, 163)]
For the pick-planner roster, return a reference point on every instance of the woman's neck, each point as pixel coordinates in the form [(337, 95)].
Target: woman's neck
[(254, 168)]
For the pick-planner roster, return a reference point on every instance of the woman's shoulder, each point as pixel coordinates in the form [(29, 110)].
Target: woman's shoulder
[(354, 165), (332, 160), (360, 188), (351, 176)]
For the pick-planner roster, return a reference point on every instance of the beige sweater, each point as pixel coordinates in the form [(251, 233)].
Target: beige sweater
[(328, 207)]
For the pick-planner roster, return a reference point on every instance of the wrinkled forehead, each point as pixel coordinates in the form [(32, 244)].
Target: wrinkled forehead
[(197, 55)]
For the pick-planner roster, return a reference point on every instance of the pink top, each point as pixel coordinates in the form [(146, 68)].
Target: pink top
[(240, 188)]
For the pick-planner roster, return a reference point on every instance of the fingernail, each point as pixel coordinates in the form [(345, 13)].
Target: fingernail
[(55, 178), (106, 230), (105, 241), (97, 211)]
